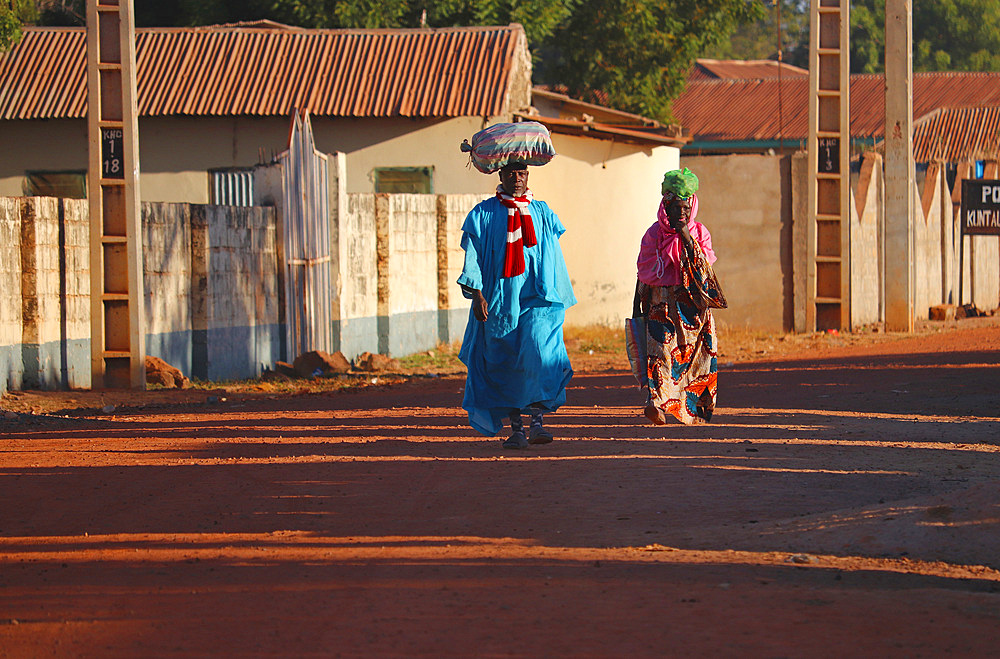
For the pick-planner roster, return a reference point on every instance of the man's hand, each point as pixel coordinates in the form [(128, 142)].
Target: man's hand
[(479, 306)]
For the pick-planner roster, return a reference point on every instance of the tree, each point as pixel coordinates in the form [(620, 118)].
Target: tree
[(636, 54), (759, 40), (948, 35), (632, 54), (14, 14)]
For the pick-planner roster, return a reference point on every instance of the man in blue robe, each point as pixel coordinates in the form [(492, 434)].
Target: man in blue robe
[(520, 289)]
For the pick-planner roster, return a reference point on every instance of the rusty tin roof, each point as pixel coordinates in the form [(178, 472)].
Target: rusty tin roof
[(714, 69), (271, 69), (957, 134), (747, 110)]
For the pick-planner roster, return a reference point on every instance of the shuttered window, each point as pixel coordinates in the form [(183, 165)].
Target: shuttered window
[(231, 187)]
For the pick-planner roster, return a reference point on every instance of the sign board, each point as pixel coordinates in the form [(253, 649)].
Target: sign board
[(112, 153), (829, 155), (980, 207)]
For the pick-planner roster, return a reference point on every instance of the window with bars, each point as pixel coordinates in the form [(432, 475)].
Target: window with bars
[(231, 187)]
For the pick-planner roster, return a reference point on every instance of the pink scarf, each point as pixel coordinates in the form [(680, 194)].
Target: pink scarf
[(659, 262), (520, 231)]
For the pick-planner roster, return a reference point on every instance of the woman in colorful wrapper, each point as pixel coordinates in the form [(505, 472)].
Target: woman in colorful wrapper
[(676, 290)]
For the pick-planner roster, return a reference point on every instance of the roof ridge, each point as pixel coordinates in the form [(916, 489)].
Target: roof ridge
[(273, 27)]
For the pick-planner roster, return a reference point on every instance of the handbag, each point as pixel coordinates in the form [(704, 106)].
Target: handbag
[(635, 341)]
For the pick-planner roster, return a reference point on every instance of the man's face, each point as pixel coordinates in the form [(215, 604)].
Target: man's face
[(514, 180)]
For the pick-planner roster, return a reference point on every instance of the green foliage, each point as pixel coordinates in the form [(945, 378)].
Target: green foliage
[(867, 36), (948, 35), (539, 17), (333, 13), (638, 52), (14, 14), (759, 39)]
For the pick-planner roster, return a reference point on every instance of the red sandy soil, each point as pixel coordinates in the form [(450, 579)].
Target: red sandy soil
[(845, 501)]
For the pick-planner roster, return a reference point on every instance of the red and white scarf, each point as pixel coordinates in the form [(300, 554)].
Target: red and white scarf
[(520, 231)]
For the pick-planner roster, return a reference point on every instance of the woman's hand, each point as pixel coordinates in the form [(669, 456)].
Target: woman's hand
[(479, 306), (685, 235)]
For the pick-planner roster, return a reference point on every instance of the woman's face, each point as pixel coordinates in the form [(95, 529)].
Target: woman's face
[(679, 210)]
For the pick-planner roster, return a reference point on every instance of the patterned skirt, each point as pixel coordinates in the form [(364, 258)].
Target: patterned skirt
[(681, 357)]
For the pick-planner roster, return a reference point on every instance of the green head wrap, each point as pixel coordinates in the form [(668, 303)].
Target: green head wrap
[(681, 182)]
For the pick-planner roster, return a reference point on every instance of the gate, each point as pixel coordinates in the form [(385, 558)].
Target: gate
[(307, 241)]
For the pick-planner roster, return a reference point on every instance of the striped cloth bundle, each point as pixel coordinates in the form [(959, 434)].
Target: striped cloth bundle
[(503, 144)]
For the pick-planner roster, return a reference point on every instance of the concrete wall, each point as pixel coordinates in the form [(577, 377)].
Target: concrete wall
[(935, 241), (400, 257), (45, 269), (453, 308), (866, 260), (745, 201), (358, 278), (177, 152), (408, 273), (166, 238), (927, 224), (54, 293), (11, 363), (606, 195), (236, 333)]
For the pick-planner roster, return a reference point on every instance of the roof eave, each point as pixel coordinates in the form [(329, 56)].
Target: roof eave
[(599, 131)]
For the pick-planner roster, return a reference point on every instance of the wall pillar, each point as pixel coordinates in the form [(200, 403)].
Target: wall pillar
[(899, 169)]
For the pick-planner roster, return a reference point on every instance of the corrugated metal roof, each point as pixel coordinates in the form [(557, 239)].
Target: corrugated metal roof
[(957, 134), (628, 134), (271, 70), (754, 69), (574, 108), (735, 110)]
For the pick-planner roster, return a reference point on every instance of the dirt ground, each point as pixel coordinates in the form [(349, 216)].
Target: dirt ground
[(845, 501)]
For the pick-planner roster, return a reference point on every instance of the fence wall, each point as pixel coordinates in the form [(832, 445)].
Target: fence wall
[(234, 305), (11, 329), (210, 276), (935, 248), (166, 255), (745, 201), (357, 288)]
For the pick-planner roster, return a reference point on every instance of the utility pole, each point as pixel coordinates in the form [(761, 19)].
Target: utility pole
[(117, 337), (899, 169)]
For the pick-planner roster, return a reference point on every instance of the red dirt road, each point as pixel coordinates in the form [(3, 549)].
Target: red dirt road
[(844, 502)]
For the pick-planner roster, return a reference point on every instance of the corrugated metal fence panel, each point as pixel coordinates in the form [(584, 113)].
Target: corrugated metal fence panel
[(307, 243), (227, 70)]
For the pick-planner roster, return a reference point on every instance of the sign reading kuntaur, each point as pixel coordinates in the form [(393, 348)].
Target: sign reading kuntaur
[(980, 207)]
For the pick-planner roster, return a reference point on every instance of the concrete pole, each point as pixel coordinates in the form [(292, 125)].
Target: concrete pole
[(899, 169)]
